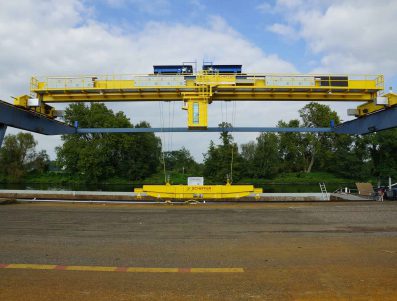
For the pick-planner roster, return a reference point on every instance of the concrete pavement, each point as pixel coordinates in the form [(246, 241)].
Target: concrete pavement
[(310, 251)]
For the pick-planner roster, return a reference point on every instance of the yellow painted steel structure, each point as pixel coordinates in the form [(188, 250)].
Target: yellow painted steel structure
[(196, 91), (205, 192), (389, 100)]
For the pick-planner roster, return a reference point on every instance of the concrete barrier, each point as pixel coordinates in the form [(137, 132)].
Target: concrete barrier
[(131, 196)]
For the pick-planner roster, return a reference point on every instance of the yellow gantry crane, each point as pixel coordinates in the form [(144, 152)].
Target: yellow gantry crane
[(213, 83), (197, 90)]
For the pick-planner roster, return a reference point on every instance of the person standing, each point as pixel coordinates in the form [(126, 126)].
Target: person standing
[(381, 194)]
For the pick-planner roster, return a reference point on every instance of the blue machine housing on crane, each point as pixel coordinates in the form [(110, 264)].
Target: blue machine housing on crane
[(173, 69), (222, 68), (188, 69)]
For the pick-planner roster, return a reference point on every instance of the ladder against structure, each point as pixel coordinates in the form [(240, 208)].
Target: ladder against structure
[(324, 192)]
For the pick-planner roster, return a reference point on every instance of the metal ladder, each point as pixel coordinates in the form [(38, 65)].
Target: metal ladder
[(324, 191)]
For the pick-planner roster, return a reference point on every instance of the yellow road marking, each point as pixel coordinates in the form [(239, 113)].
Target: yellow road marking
[(216, 270), (152, 270), (119, 269), (31, 266), (90, 268)]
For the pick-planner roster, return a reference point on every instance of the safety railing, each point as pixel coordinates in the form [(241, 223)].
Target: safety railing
[(34, 83), (120, 81)]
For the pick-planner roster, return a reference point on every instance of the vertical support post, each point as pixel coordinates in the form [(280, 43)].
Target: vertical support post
[(3, 129)]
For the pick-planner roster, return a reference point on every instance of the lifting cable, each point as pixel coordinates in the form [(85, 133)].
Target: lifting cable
[(162, 138), (232, 144), (172, 125), (225, 120), (222, 111), (166, 140)]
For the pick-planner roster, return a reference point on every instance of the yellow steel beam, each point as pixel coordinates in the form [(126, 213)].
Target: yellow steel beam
[(104, 96), (169, 191), (197, 91)]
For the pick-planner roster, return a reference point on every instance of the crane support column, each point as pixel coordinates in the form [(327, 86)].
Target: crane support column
[(3, 129)]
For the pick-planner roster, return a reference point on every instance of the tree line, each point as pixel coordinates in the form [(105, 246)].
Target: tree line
[(347, 156), (95, 158)]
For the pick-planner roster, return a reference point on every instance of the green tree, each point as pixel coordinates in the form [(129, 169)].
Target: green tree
[(18, 156), (318, 145), (97, 157), (180, 161), (351, 157), (262, 159), (292, 148), (222, 162), (383, 150), (248, 154), (295, 151)]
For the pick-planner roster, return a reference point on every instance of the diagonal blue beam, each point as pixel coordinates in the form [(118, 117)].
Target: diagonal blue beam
[(13, 116), (375, 122), (207, 130)]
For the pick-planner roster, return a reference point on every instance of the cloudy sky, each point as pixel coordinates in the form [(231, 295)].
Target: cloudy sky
[(72, 37)]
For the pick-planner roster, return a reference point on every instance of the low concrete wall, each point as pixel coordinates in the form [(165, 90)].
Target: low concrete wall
[(131, 196), (291, 197), (68, 195)]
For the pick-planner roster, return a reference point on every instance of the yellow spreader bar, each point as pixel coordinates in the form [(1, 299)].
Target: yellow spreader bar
[(198, 192), (118, 269)]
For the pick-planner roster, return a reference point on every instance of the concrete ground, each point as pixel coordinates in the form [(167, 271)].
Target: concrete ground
[(273, 251)]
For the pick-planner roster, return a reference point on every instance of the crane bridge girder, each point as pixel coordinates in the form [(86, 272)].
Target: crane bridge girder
[(197, 91)]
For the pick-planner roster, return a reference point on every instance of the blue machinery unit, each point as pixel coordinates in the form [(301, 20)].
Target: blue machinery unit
[(188, 69), (173, 69), (222, 68)]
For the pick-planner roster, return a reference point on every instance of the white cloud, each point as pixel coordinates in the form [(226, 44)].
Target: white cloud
[(153, 7), (265, 7), (287, 31), (62, 38), (350, 36)]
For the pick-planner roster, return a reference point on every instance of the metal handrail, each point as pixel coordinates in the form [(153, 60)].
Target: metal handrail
[(272, 80), (378, 77)]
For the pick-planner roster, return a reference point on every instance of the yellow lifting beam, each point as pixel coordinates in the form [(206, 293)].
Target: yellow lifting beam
[(197, 91), (197, 192)]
